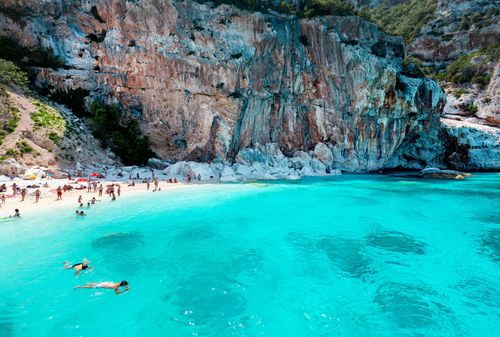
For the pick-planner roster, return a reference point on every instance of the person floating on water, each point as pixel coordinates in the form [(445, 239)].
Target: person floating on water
[(106, 285), (78, 266)]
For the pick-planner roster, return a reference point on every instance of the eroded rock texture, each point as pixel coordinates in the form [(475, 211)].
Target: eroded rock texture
[(207, 82)]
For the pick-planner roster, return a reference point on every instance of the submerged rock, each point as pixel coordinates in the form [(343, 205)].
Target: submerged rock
[(433, 172)]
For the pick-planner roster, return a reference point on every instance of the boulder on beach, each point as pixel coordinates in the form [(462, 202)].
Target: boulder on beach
[(158, 164), (12, 168)]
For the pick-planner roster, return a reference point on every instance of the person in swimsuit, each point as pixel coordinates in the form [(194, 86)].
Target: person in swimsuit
[(106, 285), (78, 266), (16, 214)]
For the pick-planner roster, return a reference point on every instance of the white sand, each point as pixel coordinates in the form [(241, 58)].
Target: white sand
[(48, 199)]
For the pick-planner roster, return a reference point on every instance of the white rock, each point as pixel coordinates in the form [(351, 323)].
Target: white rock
[(323, 154)]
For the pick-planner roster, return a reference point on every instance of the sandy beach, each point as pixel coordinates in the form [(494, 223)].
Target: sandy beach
[(48, 199)]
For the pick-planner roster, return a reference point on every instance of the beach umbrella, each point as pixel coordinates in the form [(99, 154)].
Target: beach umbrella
[(82, 180)]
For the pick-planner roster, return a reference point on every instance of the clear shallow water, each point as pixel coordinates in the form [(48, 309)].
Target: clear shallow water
[(343, 256)]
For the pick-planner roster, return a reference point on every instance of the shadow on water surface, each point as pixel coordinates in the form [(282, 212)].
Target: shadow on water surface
[(396, 242), (126, 246), (207, 301), (413, 307), (195, 234), (347, 255), (490, 244), (7, 320), (477, 293), (125, 241)]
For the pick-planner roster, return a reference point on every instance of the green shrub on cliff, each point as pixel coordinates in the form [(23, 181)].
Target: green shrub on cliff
[(313, 8), (303, 8), (405, 19), (122, 135), (471, 68), (12, 74)]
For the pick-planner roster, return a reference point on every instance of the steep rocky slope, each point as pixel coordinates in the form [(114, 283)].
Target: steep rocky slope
[(38, 133), (207, 81), (457, 43)]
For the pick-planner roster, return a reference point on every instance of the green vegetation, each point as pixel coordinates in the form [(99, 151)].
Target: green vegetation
[(9, 153), (303, 8), (54, 137), (478, 20), (9, 117), (325, 7), (459, 92), (472, 108), (23, 147), (121, 134), (471, 68), (405, 19), (47, 117), (12, 74)]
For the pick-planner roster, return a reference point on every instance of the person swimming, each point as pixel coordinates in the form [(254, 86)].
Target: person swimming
[(106, 285), (16, 214), (78, 266)]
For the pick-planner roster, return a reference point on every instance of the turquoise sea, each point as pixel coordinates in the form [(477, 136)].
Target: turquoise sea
[(337, 256)]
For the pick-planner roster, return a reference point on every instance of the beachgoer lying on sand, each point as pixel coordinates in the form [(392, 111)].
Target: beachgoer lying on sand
[(78, 266), (106, 285)]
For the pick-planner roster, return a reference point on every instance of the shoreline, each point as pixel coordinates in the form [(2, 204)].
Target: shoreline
[(48, 200), (70, 198)]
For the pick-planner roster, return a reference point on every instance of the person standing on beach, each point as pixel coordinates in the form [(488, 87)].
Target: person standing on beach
[(118, 190), (147, 184), (14, 189), (23, 193), (3, 198), (59, 193), (156, 184), (89, 186), (37, 195), (100, 190)]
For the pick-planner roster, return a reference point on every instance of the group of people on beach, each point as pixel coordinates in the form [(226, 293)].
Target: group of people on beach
[(84, 265), (113, 190)]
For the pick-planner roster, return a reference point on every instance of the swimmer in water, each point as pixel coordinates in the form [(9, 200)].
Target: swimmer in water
[(106, 285), (78, 266)]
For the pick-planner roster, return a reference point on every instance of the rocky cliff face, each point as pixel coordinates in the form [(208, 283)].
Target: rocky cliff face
[(208, 82)]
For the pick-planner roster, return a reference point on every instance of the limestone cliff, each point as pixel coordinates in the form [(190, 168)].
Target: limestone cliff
[(206, 82)]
